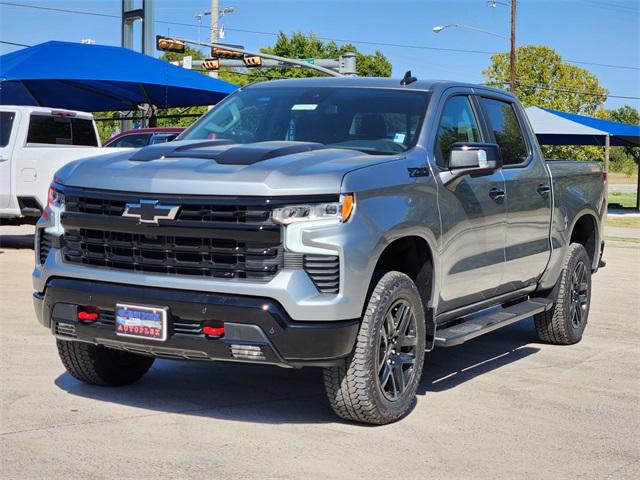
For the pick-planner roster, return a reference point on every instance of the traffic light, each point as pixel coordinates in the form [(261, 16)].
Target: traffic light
[(211, 64), (252, 61), (168, 44), (224, 53)]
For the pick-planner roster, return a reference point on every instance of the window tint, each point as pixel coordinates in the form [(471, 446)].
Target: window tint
[(506, 128), (135, 140), (61, 131), (162, 138), (6, 122), (83, 132), (457, 124)]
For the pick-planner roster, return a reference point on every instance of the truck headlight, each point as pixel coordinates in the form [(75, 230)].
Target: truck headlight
[(55, 198), (341, 210), (55, 201)]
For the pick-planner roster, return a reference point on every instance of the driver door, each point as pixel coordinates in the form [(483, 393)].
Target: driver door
[(473, 212)]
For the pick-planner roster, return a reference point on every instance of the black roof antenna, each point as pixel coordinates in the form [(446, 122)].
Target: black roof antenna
[(408, 78)]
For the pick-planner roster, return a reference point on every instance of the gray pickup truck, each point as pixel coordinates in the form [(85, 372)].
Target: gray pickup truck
[(351, 224)]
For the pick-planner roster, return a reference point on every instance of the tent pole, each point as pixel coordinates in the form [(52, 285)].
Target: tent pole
[(607, 144)]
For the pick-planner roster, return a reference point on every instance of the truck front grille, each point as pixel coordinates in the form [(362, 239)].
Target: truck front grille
[(211, 237), (173, 255)]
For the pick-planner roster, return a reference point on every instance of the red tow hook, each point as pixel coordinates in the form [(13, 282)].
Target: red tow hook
[(88, 315), (212, 331)]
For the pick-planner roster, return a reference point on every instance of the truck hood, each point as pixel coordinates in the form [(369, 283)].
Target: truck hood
[(221, 168)]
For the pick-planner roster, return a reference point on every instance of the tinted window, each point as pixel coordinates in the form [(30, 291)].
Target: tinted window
[(376, 121), (61, 131), (506, 128), (6, 122), (457, 124), (162, 138), (83, 132), (135, 140)]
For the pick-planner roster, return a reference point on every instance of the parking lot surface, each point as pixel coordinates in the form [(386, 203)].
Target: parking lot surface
[(500, 406)]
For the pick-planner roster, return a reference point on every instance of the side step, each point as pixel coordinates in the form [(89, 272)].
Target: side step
[(493, 320)]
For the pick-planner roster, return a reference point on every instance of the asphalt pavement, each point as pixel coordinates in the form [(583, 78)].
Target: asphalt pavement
[(501, 406)]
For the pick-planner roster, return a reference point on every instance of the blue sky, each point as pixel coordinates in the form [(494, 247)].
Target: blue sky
[(596, 31)]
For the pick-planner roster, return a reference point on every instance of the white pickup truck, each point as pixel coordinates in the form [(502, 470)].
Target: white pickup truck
[(34, 143)]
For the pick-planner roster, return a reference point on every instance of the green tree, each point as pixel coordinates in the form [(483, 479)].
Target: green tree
[(544, 80), (300, 46)]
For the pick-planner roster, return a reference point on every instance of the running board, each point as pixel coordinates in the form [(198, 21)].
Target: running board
[(479, 325)]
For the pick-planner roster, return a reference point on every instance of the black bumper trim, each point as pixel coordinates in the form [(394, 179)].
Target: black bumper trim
[(284, 342)]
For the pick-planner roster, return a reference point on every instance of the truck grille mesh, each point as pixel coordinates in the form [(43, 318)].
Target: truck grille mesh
[(214, 237), (203, 257), (324, 271)]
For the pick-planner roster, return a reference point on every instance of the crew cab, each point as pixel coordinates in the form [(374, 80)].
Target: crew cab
[(351, 224), (34, 143)]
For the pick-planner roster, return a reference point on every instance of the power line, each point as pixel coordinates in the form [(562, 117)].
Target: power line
[(610, 5), (567, 90), (339, 40), (14, 43)]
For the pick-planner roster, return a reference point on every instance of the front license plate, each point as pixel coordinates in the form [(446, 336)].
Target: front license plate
[(141, 322)]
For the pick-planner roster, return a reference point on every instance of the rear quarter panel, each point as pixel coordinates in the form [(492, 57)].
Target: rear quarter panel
[(578, 190)]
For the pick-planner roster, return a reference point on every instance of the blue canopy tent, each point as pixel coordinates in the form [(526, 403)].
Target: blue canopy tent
[(553, 127), (99, 78)]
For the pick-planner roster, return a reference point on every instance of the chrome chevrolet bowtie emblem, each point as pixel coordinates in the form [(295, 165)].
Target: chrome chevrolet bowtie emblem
[(148, 211)]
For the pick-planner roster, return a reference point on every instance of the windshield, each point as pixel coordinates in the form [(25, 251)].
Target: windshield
[(375, 121)]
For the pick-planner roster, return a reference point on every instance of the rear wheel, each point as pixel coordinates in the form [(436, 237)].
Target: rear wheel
[(102, 366), (565, 322), (377, 384)]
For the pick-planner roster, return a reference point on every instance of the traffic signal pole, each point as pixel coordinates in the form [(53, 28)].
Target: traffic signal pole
[(214, 36), (512, 53), (349, 59)]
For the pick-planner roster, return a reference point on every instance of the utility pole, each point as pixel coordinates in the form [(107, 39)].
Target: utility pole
[(512, 55), (215, 18)]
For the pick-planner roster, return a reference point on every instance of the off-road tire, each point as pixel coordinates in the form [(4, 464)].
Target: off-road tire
[(102, 366), (556, 324), (353, 387)]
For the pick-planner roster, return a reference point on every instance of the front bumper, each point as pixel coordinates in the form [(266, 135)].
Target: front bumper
[(251, 324)]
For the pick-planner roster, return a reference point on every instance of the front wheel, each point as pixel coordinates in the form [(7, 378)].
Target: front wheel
[(97, 365), (565, 322), (377, 384)]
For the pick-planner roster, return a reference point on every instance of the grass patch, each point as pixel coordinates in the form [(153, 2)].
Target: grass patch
[(624, 199), (622, 221)]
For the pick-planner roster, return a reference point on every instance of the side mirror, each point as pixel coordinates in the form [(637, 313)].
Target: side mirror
[(474, 158)]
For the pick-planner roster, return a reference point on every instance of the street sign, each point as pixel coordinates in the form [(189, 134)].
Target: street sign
[(187, 61), (310, 61)]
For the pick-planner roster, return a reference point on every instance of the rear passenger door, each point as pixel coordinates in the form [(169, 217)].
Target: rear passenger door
[(473, 217), (527, 194)]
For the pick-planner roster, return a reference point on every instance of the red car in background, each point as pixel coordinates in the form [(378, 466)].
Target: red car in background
[(141, 137)]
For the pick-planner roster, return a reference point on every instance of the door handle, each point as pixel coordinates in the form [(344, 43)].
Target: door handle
[(543, 189), (3, 159), (496, 194)]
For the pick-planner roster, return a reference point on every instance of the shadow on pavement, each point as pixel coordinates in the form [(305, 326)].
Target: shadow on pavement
[(16, 241), (271, 395)]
